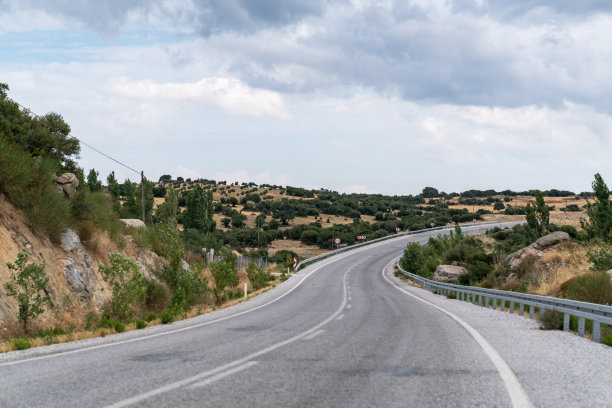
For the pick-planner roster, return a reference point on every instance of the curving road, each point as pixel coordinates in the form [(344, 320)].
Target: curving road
[(340, 333)]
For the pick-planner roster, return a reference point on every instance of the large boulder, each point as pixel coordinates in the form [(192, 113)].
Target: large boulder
[(70, 240), (515, 259), (448, 273), (133, 222), (67, 184), (551, 240), (536, 250)]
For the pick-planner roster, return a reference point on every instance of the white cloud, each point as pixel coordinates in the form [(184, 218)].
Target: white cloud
[(358, 189), (187, 173), (264, 177), (229, 94)]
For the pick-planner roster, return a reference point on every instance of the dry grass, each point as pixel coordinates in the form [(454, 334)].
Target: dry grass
[(557, 268), (11, 331)]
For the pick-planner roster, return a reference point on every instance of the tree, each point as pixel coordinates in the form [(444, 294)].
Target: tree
[(130, 206), (26, 284), (225, 275), (599, 212), (166, 212), (200, 210), (226, 222), (430, 192), (498, 206), (47, 135), (114, 190), (537, 215), (165, 178), (238, 220), (94, 184)]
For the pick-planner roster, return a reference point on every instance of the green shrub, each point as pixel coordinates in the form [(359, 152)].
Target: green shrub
[(140, 324), (49, 214), (601, 257), (257, 276), (607, 340), (16, 173), (150, 317), (119, 326), (127, 284), (593, 287), (551, 320), (27, 285), (57, 331), (20, 343), (157, 296), (167, 317), (225, 276), (413, 260)]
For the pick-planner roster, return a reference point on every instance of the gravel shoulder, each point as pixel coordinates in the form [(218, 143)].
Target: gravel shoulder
[(556, 369)]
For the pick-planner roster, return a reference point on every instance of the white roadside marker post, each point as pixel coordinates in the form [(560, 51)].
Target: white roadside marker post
[(245, 289)]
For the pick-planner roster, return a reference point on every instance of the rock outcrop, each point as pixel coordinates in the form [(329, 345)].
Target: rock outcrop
[(67, 184), (449, 273), (133, 222), (536, 250)]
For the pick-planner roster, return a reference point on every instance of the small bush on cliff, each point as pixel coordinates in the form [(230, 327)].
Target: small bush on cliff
[(127, 283), (28, 285)]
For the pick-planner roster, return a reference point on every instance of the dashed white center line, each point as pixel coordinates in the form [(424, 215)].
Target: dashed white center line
[(313, 335), (224, 374)]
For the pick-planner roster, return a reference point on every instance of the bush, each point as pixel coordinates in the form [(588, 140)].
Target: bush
[(140, 324), (167, 317), (25, 285), (111, 323), (20, 343), (225, 276), (413, 260), (592, 287), (551, 320), (150, 317), (601, 257), (607, 340), (257, 276), (157, 296), (127, 284)]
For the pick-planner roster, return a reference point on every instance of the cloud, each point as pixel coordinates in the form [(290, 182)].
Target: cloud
[(264, 177), (357, 189), (229, 94), (187, 173)]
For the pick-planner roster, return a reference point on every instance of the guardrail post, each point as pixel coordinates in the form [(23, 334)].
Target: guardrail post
[(531, 310), (596, 331), (581, 326), (511, 308), (542, 311), (486, 302), (566, 321), (522, 309), (480, 300), (494, 303)]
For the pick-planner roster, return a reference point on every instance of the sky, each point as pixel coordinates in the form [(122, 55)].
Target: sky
[(352, 96)]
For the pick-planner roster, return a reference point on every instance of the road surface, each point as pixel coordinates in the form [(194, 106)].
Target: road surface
[(344, 332)]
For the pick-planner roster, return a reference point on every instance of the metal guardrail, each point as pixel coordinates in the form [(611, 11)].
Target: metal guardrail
[(598, 314), (388, 237)]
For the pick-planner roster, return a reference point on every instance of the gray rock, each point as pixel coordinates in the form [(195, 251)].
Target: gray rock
[(133, 222), (185, 266), (550, 240), (448, 273), (70, 240), (517, 258), (67, 184), (74, 278)]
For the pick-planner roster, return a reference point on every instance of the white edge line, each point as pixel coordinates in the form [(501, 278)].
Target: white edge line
[(150, 336), (180, 383), (517, 394)]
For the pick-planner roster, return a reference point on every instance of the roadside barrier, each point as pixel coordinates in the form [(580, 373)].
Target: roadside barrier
[(598, 314), (393, 236)]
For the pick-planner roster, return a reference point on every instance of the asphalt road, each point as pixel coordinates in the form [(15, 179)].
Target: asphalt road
[(340, 333)]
